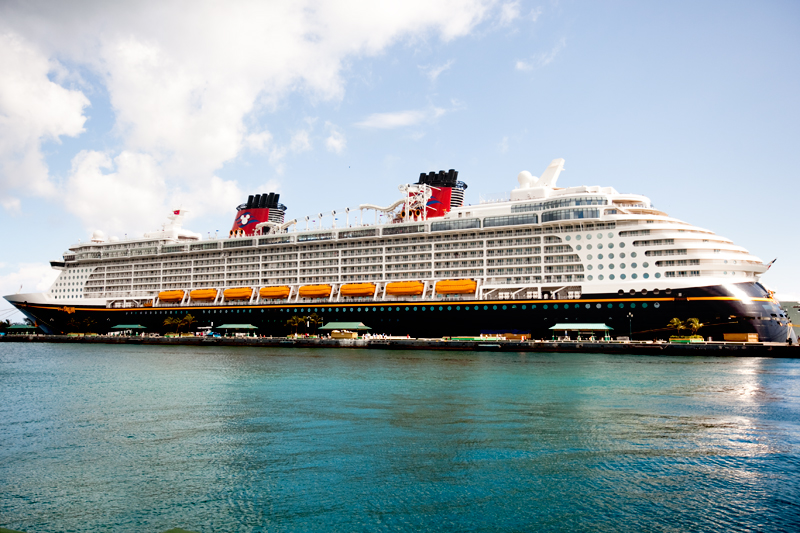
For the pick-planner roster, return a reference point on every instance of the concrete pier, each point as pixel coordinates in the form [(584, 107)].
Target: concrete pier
[(736, 349)]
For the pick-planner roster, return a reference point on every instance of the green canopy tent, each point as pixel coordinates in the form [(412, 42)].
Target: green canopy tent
[(583, 328), (125, 327), (238, 327), (350, 326), (21, 329)]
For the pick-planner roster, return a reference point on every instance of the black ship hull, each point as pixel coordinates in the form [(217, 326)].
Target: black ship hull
[(638, 316)]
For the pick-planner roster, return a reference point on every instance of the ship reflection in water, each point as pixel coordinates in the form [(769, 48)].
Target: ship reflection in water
[(127, 438)]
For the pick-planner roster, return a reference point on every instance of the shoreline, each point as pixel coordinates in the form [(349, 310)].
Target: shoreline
[(722, 349)]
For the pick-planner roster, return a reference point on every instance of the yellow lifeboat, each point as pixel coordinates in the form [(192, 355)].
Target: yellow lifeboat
[(405, 288), (170, 296), (357, 289), (456, 286), (315, 291), (203, 294), (275, 293), (239, 293)]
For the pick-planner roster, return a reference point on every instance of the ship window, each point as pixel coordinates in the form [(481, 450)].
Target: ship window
[(577, 237), (588, 246), (600, 277), (621, 305), (611, 265), (622, 255), (610, 306), (578, 247), (589, 267), (645, 275), (633, 265), (544, 306), (622, 276), (599, 246), (590, 277), (658, 274), (611, 245), (634, 276), (633, 254), (611, 256), (599, 306), (599, 235), (589, 237), (588, 306), (599, 256), (611, 276), (645, 265), (600, 267), (569, 238)]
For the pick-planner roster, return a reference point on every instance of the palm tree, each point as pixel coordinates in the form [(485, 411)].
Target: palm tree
[(314, 320), (694, 324), (187, 321), (294, 322), (173, 322), (677, 323)]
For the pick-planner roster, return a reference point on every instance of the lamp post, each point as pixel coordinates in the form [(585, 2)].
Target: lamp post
[(630, 326)]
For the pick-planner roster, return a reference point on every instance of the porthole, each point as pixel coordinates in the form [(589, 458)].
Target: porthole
[(374, 309), (448, 308), (524, 307), (644, 305), (599, 235), (600, 246), (726, 261), (599, 306), (610, 235), (600, 267), (544, 306), (485, 307), (600, 277), (589, 256), (633, 306), (657, 305), (589, 267), (634, 276), (645, 264), (588, 246), (599, 256), (588, 306), (622, 245), (533, 306), (620, 292), (577, 237), (504, 308), (611, 245), (655, 291), (658, 274), (726, 272), (622, 305), (633, 265), (415, 309), (569, 238), (610, 306), (406, 308), (611, 276), (589, 277), (423, 307), (589, 237), (458, 308), (577, 306), (622, 265), (494, 308), (578, 247), (555, 306), (476, 307), (645, 275), (633, 254), (622, 255)]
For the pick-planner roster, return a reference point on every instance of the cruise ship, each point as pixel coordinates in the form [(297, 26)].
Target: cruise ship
[(425, 265)]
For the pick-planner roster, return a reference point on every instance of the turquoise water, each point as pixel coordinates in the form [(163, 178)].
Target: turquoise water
[(119, 438)]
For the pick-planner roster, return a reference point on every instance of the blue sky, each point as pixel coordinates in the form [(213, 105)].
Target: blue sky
[(116, 114)]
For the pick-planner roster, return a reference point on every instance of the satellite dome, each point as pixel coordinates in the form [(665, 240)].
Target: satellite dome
[(114, 239), (526, 179), (98, 236)]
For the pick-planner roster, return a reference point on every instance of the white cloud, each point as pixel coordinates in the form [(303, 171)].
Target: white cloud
[(300, 142), (31, 277), (543, 59), (33, 109), (190, 89), (503, 145), (400, 119), (433, 72), (336, 141), (535, 14), (509, 12)]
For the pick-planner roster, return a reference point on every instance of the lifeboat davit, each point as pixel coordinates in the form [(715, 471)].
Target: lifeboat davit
[(405, 288), (275, 293), (357, 289), (456, 286)]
